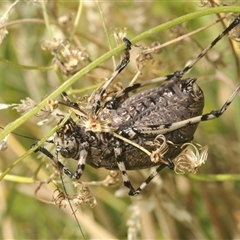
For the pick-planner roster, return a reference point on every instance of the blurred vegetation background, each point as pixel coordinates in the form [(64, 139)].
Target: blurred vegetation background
[(173, 206)]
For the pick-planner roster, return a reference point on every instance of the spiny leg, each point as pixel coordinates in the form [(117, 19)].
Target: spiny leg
[(68, 101), (98, 96), (178, 73), (120, 67), (80, 167), (121, 166), (151, 177), (126, 180), (66, 171), (116, 100), (72, 105), (166, 128), (55, 160), (81, 163), (68, 146)]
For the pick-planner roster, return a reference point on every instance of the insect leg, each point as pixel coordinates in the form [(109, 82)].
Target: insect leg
[(81, 163), (120, 67), (122, 168), (55, 160), (68, 173), (72, 105), (166, 128), (116, 99), (170, 165), (180, 73), (126, 180), (75, 150), (68, 101), (150, 178)]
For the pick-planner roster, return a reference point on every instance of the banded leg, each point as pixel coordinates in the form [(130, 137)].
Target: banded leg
[(81, 164), (166, 128), (122, 168), (72, 105), (178, 73), (150, 178), (126, 59), (80, 167), (55, 160), (126, 180)]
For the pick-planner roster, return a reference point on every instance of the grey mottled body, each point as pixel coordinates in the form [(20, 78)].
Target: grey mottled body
[(116, 133)]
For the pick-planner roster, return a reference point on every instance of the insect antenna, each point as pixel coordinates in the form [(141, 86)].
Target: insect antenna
[(61, 167), (28, 137), (66, 171), (71, 207), (24, 136)]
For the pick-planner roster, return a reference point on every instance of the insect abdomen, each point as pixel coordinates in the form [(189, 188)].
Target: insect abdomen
[(171, 102)]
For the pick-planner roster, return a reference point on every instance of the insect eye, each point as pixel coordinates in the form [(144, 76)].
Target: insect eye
[(109, 104), (69, 148), (68, 132), (65, 152)]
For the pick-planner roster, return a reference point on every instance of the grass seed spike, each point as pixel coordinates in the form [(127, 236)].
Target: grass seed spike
[(149, 128)]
